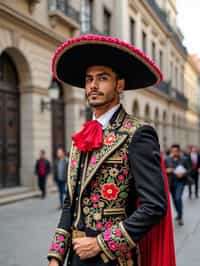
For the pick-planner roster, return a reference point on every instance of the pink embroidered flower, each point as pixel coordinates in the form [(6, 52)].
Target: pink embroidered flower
[(110, 139), (73, 163), (99, 225), (107, 235), (95, 205), (61, 238), (94, 198), (113, 246), (52, 247), (62, 251), (110, 191), (121, 178), (93, 159), (127, 124), (125, 171), (56, 247), (118, 233), (108, 224)]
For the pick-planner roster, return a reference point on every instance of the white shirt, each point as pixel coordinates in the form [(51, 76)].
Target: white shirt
[(105, 118)]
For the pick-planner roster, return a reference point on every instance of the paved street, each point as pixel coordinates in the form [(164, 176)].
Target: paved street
[(26, 229)]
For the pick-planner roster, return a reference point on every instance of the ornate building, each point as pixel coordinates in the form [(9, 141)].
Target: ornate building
[(38, 113)]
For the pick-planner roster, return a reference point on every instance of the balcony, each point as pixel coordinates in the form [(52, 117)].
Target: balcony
[(164, 87), (163, 17), (62, 10), (179, 97)]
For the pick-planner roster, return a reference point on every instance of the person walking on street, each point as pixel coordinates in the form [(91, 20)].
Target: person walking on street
[(177, 168), (116, 192), (42, 170), (60, 174), (194, 160)]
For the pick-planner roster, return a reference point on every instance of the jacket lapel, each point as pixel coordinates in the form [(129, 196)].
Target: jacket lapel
[(112, 140)]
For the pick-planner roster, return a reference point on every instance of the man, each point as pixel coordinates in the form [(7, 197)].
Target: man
[(42, 170), (194, 160), (178, 170), (116, 190), (60, 173)]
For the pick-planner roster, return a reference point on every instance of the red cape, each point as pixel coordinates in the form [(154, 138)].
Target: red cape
[(157, 248)]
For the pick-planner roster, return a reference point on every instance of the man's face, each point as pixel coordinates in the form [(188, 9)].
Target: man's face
[(102, 86), (60, 153), (175, 152), (42, 155)]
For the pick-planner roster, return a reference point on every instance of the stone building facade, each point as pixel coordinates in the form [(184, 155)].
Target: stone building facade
[(30, 120)]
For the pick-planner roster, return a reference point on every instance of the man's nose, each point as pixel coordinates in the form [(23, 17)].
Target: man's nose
[(94, 84)]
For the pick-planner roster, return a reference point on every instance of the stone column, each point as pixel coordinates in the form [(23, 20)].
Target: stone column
[(121, 19), (35, 134)]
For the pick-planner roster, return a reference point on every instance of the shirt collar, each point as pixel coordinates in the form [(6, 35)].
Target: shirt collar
[(105, 118)]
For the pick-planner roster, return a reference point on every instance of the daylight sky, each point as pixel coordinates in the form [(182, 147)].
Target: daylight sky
[(189, 22)]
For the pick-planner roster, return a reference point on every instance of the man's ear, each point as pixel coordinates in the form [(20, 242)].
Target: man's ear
[(120, 85)]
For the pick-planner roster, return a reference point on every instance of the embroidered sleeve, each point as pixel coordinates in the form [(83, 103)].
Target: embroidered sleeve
[(59, 245), (115, 242)]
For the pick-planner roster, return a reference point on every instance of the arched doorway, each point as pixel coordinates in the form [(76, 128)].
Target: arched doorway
[(9, 123), (58, 119)]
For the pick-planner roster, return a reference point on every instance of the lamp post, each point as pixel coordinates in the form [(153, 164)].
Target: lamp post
[(53, 93)]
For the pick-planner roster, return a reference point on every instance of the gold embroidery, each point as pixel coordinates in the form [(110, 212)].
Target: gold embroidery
[(114, 211), (127, 236)]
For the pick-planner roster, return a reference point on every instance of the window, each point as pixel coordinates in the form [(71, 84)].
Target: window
[(132, 30), (106, 22), (171, 72), (176, 77), (161, 60), (144, 40), (153, 51)]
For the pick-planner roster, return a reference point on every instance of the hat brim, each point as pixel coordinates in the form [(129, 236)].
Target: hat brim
[(72, 59)]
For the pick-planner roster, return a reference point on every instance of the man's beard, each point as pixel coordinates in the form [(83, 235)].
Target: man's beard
[(100, 104)]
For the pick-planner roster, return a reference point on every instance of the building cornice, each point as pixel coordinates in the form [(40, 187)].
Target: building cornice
[(163, 27), (46, 33)]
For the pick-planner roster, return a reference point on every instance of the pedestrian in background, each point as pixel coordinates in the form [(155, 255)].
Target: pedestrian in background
[(60, 174), (194, 160), (177, 168), (42, 170)]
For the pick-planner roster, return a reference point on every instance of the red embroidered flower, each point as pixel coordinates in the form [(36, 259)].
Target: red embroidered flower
[(124, 157), (125, 171), (113, 246), (108, 225), (95, 184), (123, 248), (94, 198), (110, 191), (110, 139), (128, 255)]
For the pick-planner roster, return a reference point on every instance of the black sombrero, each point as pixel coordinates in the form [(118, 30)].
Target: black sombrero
[(73, 57)]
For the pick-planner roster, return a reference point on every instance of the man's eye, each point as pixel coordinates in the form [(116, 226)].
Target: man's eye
[(103, 78), (88, 80)]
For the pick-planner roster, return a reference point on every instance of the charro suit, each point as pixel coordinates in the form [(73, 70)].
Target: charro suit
[(104, 187)]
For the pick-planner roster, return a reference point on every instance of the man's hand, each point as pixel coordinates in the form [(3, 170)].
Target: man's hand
[(86, 247), (179, 175), (53, 262), (170, 170)]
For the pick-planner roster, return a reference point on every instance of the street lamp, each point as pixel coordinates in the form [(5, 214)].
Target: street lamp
[(53, 93)]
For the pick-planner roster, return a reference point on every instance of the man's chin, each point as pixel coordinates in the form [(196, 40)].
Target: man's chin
[(95, 104)]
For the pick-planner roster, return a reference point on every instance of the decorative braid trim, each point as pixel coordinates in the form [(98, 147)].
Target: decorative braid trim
[(104, 247), (131, 243)]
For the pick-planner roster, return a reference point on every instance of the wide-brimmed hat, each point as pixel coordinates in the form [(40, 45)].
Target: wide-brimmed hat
[(73, 57)]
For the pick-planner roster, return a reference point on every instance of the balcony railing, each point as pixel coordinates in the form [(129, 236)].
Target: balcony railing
[(163, 17), (164, 86), (179, 97), (64, 7)]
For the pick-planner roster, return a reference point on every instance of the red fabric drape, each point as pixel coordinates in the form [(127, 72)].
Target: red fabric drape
[(157, 247)]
